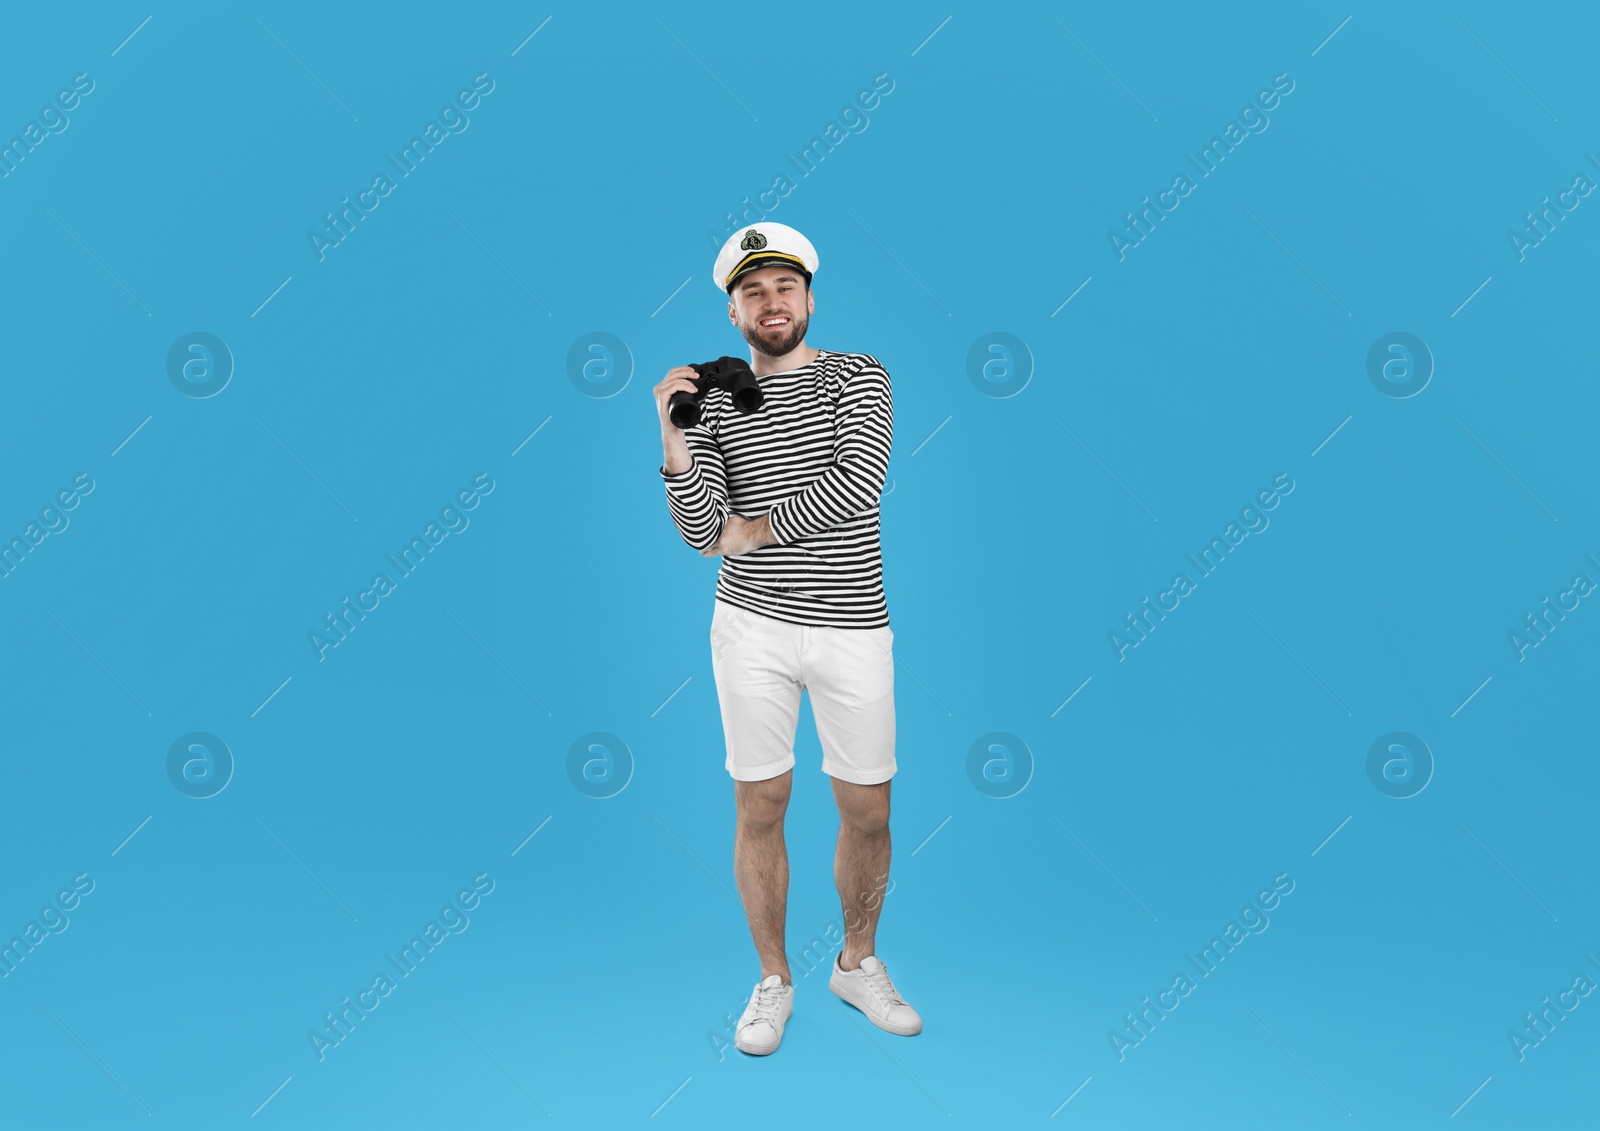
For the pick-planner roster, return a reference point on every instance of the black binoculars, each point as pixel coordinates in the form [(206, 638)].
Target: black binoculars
[(731, 374)]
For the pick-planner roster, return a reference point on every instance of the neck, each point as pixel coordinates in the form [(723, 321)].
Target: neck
[(762, 364)]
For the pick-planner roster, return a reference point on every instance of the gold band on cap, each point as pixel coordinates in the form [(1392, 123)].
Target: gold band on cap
[(761, 255)]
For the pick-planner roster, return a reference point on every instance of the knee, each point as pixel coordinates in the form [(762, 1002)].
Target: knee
[(761, 806), (868, 816), (761, 818), (863, 809)]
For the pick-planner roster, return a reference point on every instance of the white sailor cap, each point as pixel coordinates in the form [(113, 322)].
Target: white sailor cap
[(764, 244)]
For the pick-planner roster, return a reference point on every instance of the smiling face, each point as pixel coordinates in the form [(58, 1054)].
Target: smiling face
[(772, 308)]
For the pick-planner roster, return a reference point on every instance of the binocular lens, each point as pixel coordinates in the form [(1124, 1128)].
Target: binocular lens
[(731, 374)]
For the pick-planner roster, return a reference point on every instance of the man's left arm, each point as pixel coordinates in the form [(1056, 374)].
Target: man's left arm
[(863, 432), (740, 536)]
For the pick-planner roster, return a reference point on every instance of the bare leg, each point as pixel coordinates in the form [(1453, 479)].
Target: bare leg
[(761, 866), (861, 865)]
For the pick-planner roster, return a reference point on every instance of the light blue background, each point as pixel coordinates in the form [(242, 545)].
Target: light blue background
[(426, 748)]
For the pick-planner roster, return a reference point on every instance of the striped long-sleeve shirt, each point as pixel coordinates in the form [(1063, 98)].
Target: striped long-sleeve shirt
[(813, 457)]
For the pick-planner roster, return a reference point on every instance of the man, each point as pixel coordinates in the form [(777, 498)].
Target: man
[(787, 496)]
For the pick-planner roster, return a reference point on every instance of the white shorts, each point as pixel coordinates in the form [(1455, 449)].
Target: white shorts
[(761, 664)]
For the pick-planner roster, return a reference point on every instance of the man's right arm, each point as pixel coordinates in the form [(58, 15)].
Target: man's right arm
[(697, 495), (692, 469), (676, 456)]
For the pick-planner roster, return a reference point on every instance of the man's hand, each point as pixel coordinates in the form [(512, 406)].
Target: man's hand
[(741, 535), (676, 458), (679, 379)]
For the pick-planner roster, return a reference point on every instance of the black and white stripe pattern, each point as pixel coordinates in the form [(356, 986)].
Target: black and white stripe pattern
[(815, 456)]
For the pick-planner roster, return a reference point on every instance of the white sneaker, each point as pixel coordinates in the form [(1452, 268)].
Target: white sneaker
[(760, 1028), (868, 989)]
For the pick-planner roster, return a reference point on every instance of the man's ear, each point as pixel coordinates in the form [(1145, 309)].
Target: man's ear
[(733, 315), (811, 301)]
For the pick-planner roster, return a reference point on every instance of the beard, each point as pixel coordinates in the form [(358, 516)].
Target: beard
[(776, 344)]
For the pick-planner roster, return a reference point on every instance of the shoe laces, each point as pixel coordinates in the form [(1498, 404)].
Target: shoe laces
[(879, 983), (767, 1004)]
